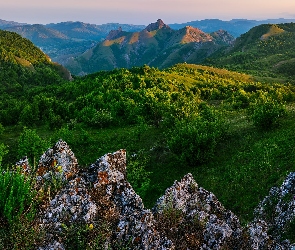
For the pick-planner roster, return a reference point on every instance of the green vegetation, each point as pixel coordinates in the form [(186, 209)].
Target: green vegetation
[(233, 133)]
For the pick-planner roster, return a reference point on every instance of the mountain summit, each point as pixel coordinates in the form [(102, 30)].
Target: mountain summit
[(156, 26)]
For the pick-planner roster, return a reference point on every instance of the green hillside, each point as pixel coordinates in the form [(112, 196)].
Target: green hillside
[(265, 50), (22, 64)]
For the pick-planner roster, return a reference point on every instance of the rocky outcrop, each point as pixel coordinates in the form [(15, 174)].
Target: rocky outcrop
[(114, 34), (156, 26), (214, 226), (100, 202)]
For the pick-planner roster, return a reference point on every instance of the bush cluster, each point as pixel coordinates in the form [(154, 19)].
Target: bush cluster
[(195, 140), (266, 111)]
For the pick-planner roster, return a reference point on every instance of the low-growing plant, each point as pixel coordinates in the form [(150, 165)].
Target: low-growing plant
[(15, 194), (86, 236)]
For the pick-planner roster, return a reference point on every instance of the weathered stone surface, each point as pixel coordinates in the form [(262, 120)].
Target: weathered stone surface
[(185, 217), (136, 225), (273, 214), (217, 226), (24, 165), (57, 163)]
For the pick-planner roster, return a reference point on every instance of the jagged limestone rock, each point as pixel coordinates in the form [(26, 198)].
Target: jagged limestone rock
[(273, 215), (185, 217), (59, 162), (199, 209)]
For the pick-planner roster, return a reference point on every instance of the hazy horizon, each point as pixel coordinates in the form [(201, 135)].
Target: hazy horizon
[(143, 11)]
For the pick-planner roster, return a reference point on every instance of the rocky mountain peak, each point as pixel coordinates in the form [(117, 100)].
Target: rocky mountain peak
[(156, 26), (113, 34), (223, 36), (192, 34)]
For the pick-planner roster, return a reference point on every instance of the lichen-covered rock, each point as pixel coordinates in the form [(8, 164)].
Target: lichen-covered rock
[(200, 210), (58, 162), (72, 204), (24, 165), (100, 204), (273, 216), (136, 225)]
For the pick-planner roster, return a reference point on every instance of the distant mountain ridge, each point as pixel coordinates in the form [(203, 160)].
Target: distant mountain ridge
[(63, 40), (156, 45), (236, 27), (265, 50), (5, 24)]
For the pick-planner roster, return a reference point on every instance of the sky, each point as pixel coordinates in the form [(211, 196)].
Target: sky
[(142, 11)]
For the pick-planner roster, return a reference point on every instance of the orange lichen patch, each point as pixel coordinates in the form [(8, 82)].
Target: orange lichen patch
[(69, 175), (143, 218), (103, 177), (25, 168), (53, 163), (41, 170)]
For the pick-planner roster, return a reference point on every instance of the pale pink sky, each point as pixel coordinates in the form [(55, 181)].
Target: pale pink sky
[(142, 11)]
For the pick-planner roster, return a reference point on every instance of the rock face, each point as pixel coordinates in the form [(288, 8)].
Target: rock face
[(99, 203)]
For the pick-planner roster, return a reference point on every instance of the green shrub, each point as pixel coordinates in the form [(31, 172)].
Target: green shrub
[(195, 141), (31, 145), (101, 118), (15, 194), (266, 112)]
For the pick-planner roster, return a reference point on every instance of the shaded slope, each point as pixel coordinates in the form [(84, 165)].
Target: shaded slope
[(23, 64)]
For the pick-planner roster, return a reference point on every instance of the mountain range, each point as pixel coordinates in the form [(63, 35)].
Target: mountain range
[(236, 27), (157, 45), (64, 40)]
